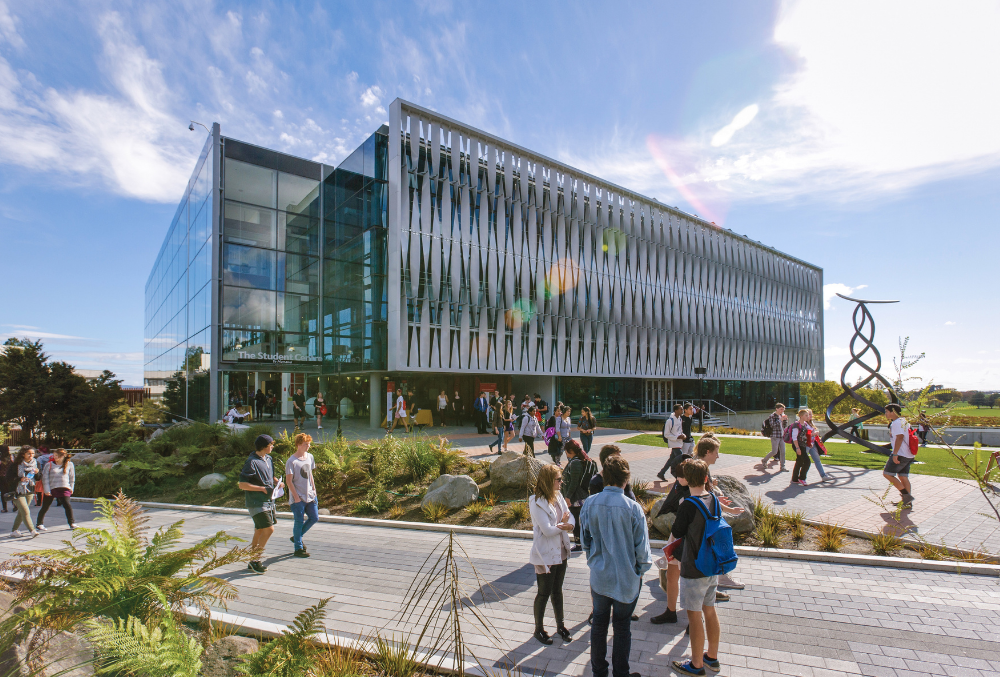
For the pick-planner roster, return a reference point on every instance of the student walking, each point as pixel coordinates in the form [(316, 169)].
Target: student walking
[(673, 435), (697, 588), (586, 425), (687, 419), (551, 522), (530, 430), (580, 469), (260, 492), (616, 540), (58, 481), (508, 422), (923, 427), (897, 468), (6, 483), (299, 409), (812, 442), (496, 420), (319, 410), (777, 422), (856, 425), (398, 413), (799, 435), (302, 496), (26, 470)]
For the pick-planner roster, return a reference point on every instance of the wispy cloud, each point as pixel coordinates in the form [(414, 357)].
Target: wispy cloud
[(949, 323), (834, 288)]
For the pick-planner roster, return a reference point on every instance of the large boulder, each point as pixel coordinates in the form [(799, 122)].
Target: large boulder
[(103, 458), (211, 480), (514, 471), (737, 491), (221, 658), (451, 491), (661, 523)]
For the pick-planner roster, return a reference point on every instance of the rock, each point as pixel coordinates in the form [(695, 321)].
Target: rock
[(211, 480), (67, 654), (737, 491), (662, 523), (221, 658), (324, 511), (514, 470), (451, 491), (156, 433), (103, 458)]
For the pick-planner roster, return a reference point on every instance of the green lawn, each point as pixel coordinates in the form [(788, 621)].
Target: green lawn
[(965, 409), (937, 462)]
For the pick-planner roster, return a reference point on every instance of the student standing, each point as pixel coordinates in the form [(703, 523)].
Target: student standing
[(27, 470), (299, 408), (800, 443), (496, 420), (679, 491), (697, 590), (259, 400), (58, 482), (551, 522), (673, 435), (6, 483), (580, 469), (586, 425), (508, 422), (302, 497), (319, 410), (442, 407), (778, 421), (530, 430), (597, 481), (897, 468), (616, 540), (257, 483), (457, 409), (687, 419), (480, 409), (856, 425)]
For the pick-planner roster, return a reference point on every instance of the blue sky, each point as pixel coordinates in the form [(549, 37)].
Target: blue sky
[(860, 136)]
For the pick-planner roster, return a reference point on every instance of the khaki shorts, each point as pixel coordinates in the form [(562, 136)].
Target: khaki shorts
[(698, 592)]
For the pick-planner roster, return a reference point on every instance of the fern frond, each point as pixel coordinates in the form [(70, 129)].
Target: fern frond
[(292, 654)]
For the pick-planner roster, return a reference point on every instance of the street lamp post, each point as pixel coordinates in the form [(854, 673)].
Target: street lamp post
[(701, 371)]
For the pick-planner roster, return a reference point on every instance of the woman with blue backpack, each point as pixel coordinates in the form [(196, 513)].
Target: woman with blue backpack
[(580, 469), (708, 552)]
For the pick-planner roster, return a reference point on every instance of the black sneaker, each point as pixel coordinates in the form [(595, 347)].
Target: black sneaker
[(256, 567), (667, 616), (564, 633), (543, 637), (292, 539), (301, 553), (662, 478)]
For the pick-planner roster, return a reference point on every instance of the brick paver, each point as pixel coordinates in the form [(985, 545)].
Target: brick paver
[(793, 618)]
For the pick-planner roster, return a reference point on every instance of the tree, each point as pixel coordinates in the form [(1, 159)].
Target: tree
[(977, 399), (24, 383)]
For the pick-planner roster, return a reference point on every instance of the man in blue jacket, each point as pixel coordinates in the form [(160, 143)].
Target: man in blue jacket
[(616, 540), (481, 406)]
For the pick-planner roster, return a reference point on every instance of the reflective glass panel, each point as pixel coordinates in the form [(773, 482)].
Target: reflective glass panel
[(250, 183), (298, 234), (248, 308), (249, 225), (298, 312), (248, 267), (298, 194), (301, 274)]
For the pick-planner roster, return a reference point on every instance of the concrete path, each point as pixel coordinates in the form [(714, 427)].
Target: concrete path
[(794, 617)]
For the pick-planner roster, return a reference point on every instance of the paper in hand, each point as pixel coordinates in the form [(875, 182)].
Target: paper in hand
[(278, 492)]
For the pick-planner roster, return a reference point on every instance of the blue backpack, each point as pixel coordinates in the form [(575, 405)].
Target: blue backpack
[(716, 555)]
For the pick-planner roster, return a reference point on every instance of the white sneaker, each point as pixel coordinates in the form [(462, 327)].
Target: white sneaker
[(319, 427), (41, 527), (15, 534)]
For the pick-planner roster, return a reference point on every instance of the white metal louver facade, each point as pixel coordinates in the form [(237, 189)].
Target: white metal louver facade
[(524, 265)]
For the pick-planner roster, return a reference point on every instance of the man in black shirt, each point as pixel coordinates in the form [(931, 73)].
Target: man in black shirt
[(299, 408), (258, 405), (257, 483), (686, 420)]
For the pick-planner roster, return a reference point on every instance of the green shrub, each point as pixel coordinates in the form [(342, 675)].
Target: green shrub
[(96, 482), (116, 437), (518, 512), (418, 461), (375, 501)]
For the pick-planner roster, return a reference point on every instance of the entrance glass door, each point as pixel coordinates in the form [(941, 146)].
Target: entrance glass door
[(658, 397)]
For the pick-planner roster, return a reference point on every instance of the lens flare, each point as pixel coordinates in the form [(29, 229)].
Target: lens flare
[(520, 314), (678, 160), (563, 277)]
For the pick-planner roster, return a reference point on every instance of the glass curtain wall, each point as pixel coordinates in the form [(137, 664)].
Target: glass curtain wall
[(355, 219), (270, 260), (177, 343)]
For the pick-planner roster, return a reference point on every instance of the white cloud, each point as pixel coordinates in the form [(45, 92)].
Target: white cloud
[(125, 138), (834, 288), (949, 323), (372, 96), (742, 119)]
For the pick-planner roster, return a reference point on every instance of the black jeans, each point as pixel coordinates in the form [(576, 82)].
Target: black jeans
[(529, 445), (47, 501), (674, 454), (574, 510), (550, 585), (801, 467), (621, 620)]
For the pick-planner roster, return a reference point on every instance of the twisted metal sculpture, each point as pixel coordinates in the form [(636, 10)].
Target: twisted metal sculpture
[(863, 322)]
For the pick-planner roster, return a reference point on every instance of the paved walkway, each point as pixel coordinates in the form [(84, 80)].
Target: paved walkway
[(794, 618)]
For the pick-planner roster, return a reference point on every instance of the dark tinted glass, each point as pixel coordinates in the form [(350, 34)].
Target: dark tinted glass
[(298, 234)]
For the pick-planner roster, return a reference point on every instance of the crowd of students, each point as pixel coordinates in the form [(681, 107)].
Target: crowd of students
[(40, 475)]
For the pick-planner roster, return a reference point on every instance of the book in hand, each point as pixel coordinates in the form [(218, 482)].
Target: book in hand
[(671, 548)]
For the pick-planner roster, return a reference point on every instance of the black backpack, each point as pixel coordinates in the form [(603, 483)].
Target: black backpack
[(766, 429)]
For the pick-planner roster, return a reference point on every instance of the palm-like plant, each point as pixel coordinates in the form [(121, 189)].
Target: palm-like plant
[(293, 654), (113, 572)]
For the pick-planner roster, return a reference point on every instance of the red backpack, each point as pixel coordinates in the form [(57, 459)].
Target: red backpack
[(913, 441)]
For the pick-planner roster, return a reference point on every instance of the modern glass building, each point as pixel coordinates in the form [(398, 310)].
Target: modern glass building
[(439, 257)]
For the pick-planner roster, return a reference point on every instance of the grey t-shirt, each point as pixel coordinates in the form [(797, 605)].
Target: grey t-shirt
[(301, 470), (258, 471)]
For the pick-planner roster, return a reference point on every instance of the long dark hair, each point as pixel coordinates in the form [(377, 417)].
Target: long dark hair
[(578, 452), (19, 459)]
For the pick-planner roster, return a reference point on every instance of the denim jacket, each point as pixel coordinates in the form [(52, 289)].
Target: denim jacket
[(616, 540)]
